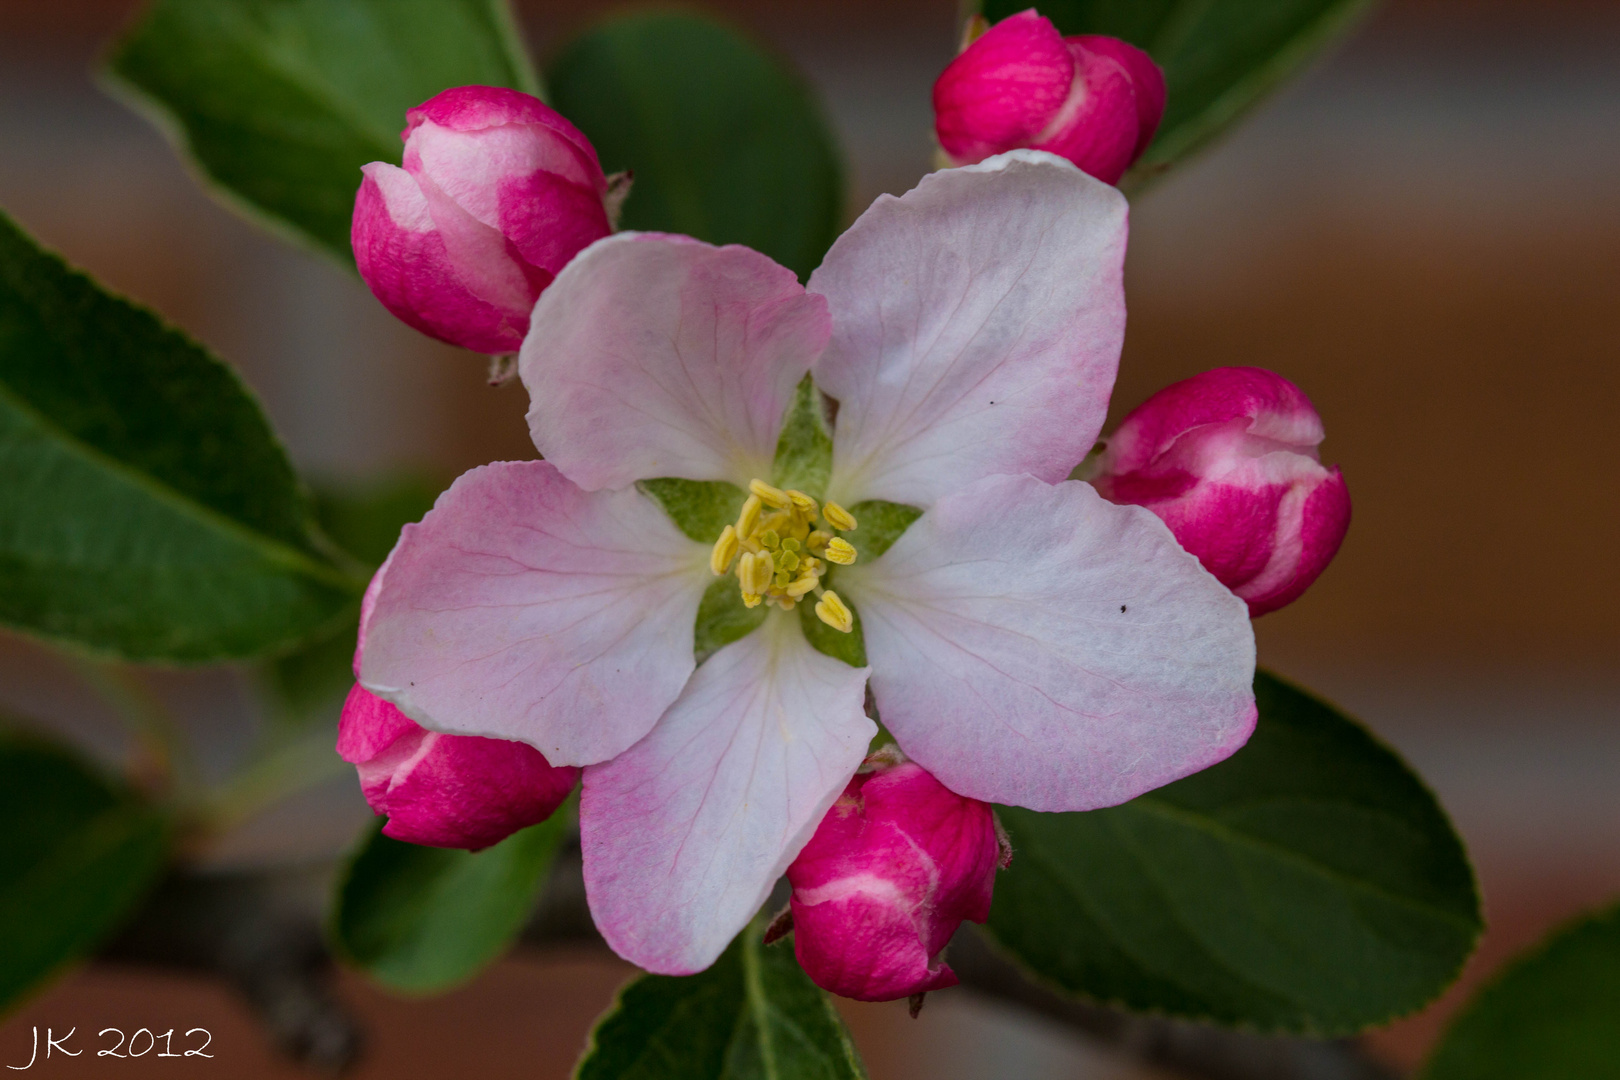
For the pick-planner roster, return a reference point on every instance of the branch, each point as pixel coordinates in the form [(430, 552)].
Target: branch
[(257, 933)]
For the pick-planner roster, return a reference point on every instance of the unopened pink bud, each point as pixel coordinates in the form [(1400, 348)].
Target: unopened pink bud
[(1094, 100), (894, 868), (1229, 460), (498, 192), (457, 791)]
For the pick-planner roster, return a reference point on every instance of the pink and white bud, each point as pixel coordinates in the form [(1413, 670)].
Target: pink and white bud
[(1092, 99), (456, 791), (1229, 460), (497, 193), (894, 868)]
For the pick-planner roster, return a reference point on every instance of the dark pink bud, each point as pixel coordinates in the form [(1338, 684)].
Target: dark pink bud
[(894, 868), (1229, 460), (1094, 100), (459, 791), (497, 193)]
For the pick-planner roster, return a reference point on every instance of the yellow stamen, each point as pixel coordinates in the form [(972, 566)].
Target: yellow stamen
[(838, 517), (754, 573), (770, 496), (803, 503), (805, 583), (832, 611), (749, 516), (751, 599), (817, 541), (840, 551), (725, 549)]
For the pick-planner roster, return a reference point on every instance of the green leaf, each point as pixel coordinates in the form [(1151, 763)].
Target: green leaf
[(1553, 1014), (1220, 57), (280, 102), (699, 508), (364, 520), (726, 143), (723, 618), (146, 508), (754, 1015), (1310, 883), (76, 855), (878, 525), (804, 449), (421, 920)]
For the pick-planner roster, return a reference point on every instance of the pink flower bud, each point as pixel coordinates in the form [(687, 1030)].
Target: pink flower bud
[(459, 791), (1094, 100), (1228, 459), (895, 866), (498, 192)]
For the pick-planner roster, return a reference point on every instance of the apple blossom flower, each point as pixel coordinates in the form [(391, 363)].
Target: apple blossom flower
[(1092, 99), (459, 791), (1229, 460), (1028, 642), (497, 193), (894, 868)]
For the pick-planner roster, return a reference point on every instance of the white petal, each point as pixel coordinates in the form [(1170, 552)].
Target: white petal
[(657, 355), (685, 833), (977, 323), (524, 608), (1035, 645)]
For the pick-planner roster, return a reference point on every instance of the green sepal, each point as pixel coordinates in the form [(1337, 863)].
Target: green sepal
[(752, 1015), (699, 508), (804, 450), (850, 647), (722, 617), (878, 524)]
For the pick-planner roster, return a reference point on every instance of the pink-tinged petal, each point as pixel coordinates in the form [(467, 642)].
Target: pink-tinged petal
[(470, 166), (404, 258), (1003, 90), (1312, 522), (977, 323), (1097, 128), (524, 608), (656, 355), (685, 833), (550, 220), (472, 108), (457, 791), (1147, 82), (1035, 645)]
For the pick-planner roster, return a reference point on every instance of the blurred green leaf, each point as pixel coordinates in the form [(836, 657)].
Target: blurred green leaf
[(1552, 1014), (76, 855), (1309, 883), (421, 920), (365, 520), (146, 508), (1220, 57), (726, 143), (280, 102), (753, 1015)]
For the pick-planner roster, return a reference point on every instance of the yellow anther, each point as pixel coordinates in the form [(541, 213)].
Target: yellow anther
[(783, 602), (803, 503), (812, 565), (751, 599), (838, 517), (770, 496), (790, 544), (725, 549), (770, 539), (817, 541), (840, 551), (804, 584), (754, 573), (750, 516), (833, 612)]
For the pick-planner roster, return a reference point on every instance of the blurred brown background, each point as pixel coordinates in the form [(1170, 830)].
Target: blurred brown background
[(1424, 233)]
